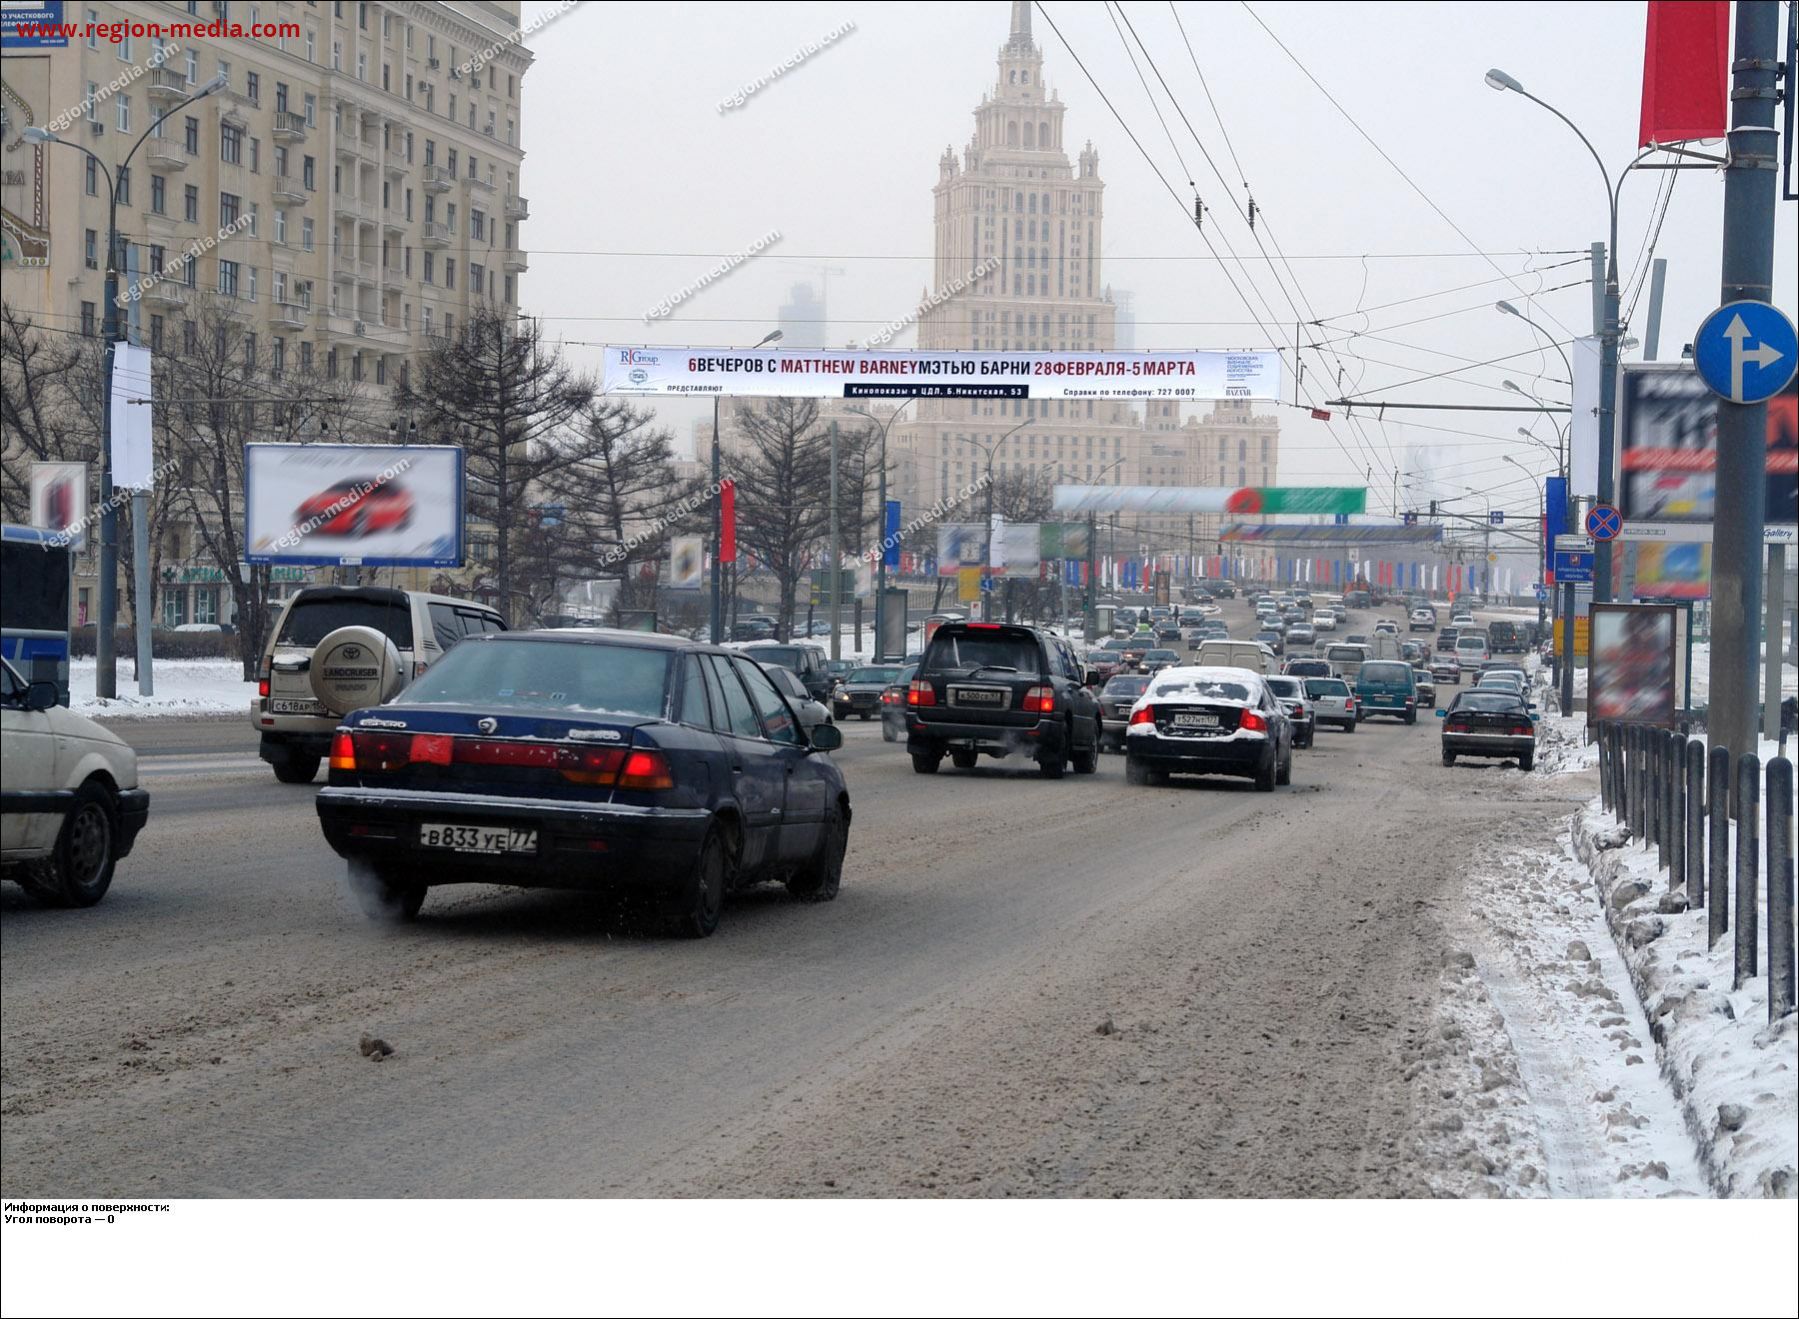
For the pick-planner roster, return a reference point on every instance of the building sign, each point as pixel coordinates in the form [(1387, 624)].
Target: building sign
[(824, 374), (367, 504), (32, 26), (1313, 500)]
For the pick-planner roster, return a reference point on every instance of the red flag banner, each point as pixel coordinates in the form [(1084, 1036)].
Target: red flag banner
[(1686, 71), (727, 522)]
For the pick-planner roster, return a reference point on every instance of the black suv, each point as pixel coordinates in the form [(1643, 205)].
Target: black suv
[(997, 688)]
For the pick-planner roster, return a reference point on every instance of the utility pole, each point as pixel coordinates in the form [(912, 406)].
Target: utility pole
[(1748, 271), (836, 559)]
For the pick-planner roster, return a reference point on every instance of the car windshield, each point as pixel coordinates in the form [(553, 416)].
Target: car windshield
[(1316, 687), (1489, 701), (1201, 688), (1285, 687), (973, 650), (547, 674), (314, 618), (1344, 653), (1387, 672), (1116, 643), (880, 675), (788, 657), (1122, 686)]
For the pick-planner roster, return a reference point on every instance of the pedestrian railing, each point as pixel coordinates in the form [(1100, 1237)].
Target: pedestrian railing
[(1675, 797)]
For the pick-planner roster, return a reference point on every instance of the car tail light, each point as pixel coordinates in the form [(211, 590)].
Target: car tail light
[(646, 771), (1252, 722), (376, 753), (419, 666), (889, 698), (1456, 726), (1522, 730), (343, 750), (1145, 715), (993, 627), (1040, 700), (1299, 711), (919, 692), (262, 688)]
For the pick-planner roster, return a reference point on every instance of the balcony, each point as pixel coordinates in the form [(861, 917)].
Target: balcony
[(517, 207), (291, 314), (351, 146), (366, 272), (394, 158), (515, 263), (169, 85), (436, 234), (288, 191), (438, 179), (289, 127), (167, 293), (353, 208), (485, 185), (165, 154)]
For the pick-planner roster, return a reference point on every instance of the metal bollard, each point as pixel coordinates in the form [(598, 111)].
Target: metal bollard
[(1749, 776), (1780, 888), (1718, 805), (1628, 736), (1675, 830), (1639, 825), (1615, 768), (1658, 750), (1695, 794)]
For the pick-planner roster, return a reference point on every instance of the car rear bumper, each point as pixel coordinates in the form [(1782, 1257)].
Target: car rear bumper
[(580, 845), (932, 735), (1242, 757), (1500, 745), (1387, 704)]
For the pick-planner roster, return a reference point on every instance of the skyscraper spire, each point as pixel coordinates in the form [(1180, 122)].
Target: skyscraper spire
[(1021, 26)]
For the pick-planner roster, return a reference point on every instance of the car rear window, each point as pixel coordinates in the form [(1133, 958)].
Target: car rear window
[(545, 674), (1345, 653), (1125, 687), (1287, 687), (1489, 701), (1316, 687), (1470, 642), (312, 619), (788, 657), (1387, 672), (976, 650), (1200, 689)]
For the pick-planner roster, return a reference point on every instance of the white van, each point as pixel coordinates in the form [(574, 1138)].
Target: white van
[(1471, 649), (1224, 654), (1385, 646)]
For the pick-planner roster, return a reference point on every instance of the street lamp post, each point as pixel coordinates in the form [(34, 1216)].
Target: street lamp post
[(106, 671), (881, 503), (718, 511), (1542, 531), (1499, 80)]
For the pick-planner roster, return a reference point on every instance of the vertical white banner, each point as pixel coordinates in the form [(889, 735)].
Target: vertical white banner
[(1583, 433), (132, 462)]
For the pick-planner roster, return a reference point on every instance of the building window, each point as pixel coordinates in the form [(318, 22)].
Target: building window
[(190, 338), (87, 319), (190, 203), (156, 325), (231, 144), (158, 254), (280, 225), (191, 135), (309, 174), (305, 357), (206, 604), (306, 233), (253, 87), (124, 113), (90, 249), (228, 209), (159, 195), (91, 181), (228, 278)]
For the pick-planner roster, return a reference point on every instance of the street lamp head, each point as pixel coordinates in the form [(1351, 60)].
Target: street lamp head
[(1507, 309), (36, 133), (1501, 81), (1525, 432), (772, 336), (217, 83), (1511, 385)]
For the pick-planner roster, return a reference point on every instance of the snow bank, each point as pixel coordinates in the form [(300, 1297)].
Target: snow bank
[(183, 687), (1737, 1076)]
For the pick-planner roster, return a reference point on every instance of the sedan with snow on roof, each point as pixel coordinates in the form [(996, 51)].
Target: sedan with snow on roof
[(587, 759), (1196, 720)]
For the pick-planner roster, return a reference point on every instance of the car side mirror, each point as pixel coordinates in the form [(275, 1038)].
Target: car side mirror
[(1442, 714), (826, 737), (40, 695)]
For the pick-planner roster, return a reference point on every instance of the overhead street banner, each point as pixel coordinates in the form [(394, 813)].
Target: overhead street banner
[(1318, 499), (807, 373)]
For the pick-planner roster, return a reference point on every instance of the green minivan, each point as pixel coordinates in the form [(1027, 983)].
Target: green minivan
[(1387, 687)]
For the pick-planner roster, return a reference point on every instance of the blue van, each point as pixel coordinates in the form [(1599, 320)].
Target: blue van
[(1387, 687)]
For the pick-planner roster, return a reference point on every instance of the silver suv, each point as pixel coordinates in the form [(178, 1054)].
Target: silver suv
[(340, 648)]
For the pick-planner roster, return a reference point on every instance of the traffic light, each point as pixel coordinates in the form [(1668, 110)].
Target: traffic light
[(1433, 508)]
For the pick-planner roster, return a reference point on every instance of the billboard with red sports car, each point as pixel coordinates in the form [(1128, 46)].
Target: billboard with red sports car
[(368, 504)]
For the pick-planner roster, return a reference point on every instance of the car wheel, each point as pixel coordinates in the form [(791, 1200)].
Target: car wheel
[(926, 762), (295, 768), (1527, 761), (864, 718), (823, 875), (1052, 767), (1449, 757), (38, 878), (1283, 774), (384, 893), (964, 758), (1135, 772), (1350, 726), (1266, 775), (86, 849), (699, 899), (1086, 762), (889, 733)]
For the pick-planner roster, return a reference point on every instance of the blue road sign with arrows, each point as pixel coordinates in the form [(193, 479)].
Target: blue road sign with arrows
[(1604, 522), (1746, 351), (1496, 517)]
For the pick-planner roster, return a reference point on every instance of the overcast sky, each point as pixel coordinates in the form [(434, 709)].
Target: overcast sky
[(638, 184)]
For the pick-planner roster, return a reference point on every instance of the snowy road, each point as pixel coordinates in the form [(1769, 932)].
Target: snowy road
[(1026, 988)]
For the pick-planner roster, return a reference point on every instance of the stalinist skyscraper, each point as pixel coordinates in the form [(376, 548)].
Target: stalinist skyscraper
[(1018, 232)]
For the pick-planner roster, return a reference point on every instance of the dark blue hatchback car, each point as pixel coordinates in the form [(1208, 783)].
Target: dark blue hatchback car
[(587, 759)]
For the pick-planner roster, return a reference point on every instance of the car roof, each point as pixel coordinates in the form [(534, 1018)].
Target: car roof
[(595, 635)]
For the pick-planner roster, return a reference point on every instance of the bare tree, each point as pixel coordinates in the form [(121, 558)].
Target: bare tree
[(218, 394), (49, 403), (783, 480), (513, 404)]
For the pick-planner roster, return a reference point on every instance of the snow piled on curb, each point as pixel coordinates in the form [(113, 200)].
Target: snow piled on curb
[(183, 687), (1737, 1076)]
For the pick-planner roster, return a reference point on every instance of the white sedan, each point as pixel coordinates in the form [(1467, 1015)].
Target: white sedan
[(71, 806)]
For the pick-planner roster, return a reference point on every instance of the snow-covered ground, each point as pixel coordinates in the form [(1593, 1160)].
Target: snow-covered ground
[(183, 687)]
